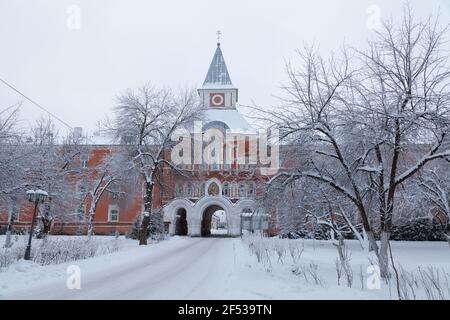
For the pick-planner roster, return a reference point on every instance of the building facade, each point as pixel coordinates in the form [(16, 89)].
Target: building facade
[(188, 201)]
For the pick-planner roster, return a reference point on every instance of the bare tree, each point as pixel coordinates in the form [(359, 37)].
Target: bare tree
[(53, 162), (145, 120), (107, 178), (11, 154), (370, 123), (435, 184)]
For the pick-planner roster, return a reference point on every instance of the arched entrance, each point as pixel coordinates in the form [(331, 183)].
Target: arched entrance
[(214, 221), (181, 225)]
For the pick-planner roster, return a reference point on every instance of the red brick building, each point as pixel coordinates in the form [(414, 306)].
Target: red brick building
[(188, 200)]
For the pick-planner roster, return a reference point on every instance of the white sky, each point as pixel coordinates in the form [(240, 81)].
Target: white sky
[(123, 44)]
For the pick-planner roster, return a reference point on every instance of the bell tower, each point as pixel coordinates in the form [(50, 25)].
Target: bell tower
[(218, 91)]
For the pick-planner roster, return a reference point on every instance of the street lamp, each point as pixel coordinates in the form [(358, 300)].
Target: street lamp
[(35, 197)]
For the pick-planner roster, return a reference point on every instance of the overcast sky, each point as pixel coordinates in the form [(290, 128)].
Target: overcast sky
[(76, 69)]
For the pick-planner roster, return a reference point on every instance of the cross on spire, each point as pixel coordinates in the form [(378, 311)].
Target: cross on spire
[(219, 35)]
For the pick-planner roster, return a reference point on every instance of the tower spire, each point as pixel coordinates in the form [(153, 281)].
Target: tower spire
[(217, 90), (218, 72)]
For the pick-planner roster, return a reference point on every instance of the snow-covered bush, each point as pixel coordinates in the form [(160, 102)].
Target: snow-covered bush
[(310, 273), (295, 251), (58, 250), (10, 255), (419, 230), (155, 231), (134, 232), (156, 227), (279, 246), (425, 283)]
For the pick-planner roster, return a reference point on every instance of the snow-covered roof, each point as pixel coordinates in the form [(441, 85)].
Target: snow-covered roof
[(99, 138), (217, 75), (230, 116)]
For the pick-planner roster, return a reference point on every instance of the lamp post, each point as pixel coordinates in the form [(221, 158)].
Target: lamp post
[(35, 197)]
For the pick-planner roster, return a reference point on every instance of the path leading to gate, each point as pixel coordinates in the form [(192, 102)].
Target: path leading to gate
[(211, 268), (182, 268)]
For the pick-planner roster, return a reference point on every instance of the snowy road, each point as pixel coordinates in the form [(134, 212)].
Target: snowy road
[(187, 268), (210, 268)]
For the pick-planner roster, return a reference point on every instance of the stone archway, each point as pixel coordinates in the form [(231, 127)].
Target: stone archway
[(171, 211), (195, 213), (207, 216), (181, 224), (203, 208)]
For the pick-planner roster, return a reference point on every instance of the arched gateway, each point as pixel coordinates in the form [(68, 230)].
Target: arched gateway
[(226, 185), (198, 215)]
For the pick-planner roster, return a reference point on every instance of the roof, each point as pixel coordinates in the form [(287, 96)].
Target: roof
[(217, 75), (231, 117)]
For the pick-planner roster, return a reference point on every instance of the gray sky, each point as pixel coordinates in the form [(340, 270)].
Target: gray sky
[(77, 72)]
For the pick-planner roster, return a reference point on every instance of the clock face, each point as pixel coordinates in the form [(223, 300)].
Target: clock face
[(217, 99)]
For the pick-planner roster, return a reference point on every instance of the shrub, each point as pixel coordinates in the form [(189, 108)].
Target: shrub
[(55, 251), (155, 231), (419, 230)]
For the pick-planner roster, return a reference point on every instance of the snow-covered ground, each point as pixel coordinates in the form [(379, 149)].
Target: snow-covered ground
[(212, 268)]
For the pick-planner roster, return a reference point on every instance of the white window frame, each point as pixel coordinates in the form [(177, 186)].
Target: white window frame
[(14, 210), (113, 208), (226, 189), (81, 215), (84, 158), (251, 187), (81, 184), (242, 194)]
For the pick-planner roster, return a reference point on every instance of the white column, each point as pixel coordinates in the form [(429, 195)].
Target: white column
[(194, 228)]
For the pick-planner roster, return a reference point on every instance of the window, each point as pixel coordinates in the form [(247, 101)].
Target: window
[(241, 190), (196, 190), (113, 214), (226, 189), (81, 212), (202, 190), (189, 189), (82, 187), (84, 161), (178, 190), (234, 188), (14, 213), (114, 190), (251, 190)]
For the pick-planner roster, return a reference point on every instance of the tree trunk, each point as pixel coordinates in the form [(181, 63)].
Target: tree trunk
[(8, 232), (148, 200), (47, 224), (90, 229), (143, 232), (8, 239), (383, 258), (344, 262), (373, 246), (448, 231)]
